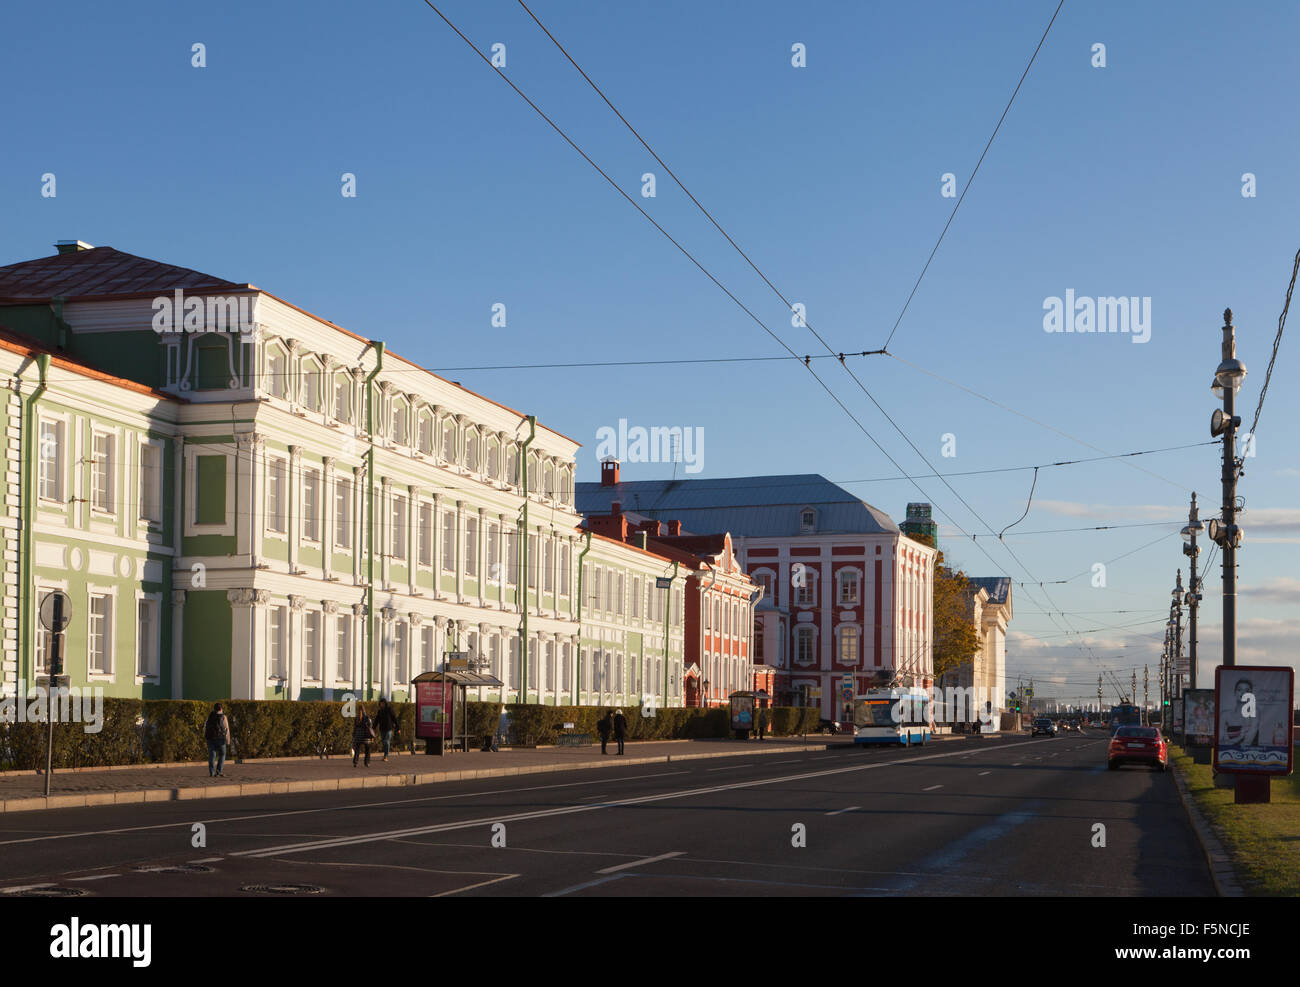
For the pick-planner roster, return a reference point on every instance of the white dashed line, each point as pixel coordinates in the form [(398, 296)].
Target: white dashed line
[(638, 863), (848, 809), (931, 788), (983, 773)]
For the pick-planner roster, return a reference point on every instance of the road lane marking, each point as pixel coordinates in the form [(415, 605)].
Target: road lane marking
[(471, 887), (851, 808), (1018, 764), (983, 773), (931, 788), (638, 863), (797, 760), (206, 860), (573, 809), (94, 877), (731, 767), (585, 885), (334, 808)]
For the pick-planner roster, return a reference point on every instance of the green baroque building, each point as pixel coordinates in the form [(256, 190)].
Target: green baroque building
[(243, 500)]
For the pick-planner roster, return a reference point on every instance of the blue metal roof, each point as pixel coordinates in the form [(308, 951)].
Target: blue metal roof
[(754, 506), (998, 587)]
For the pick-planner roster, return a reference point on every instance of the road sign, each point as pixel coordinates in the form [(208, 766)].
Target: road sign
[(56, 611), (458, 661), (846, 686), (663, 582)]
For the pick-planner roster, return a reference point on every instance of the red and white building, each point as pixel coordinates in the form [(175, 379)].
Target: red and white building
[(847, 597), (719, 604)]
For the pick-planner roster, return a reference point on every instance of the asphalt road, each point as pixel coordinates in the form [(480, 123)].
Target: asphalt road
[(1001, 817)]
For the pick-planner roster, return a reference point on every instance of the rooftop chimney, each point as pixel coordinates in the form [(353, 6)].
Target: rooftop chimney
[(651, 528), (616, 508), (73, 246), (674, 528), (641, 539), (609, 473)]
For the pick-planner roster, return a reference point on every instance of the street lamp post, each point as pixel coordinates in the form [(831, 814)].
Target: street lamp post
[(1224, 531), (1193, 598)]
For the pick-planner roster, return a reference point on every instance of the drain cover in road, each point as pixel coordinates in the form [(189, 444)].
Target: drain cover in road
[(283, 888)]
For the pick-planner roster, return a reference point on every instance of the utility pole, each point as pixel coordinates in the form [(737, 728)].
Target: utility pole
[(1100, 694), (1192, 550), (1178, 637), (1224, 532), (1146, 691), (1134, 692)]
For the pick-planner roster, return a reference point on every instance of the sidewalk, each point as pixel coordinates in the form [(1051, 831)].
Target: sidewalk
[(22, 791)]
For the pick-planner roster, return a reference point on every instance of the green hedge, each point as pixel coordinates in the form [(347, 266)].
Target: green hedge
[(137, 732)]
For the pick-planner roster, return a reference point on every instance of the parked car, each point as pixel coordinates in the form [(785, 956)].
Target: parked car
[(1140, 745), (830, 726), (1044, 726)]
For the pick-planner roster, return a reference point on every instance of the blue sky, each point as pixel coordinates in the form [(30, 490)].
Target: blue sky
[(1122, 180)]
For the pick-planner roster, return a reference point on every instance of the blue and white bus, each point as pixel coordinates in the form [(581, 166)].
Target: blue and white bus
[(892, 716)]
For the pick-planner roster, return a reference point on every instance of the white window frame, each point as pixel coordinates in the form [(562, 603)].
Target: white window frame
[(839, 586), (57, 462), (107, 671), (277, 466), (142, 675), (108, 467)]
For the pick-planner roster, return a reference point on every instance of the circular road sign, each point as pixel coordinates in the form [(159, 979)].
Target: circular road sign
[(47, 611)]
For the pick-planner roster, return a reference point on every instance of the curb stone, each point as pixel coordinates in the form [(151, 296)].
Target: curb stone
[(1221, 870)]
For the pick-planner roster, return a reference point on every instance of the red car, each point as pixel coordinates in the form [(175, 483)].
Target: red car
[(1142, 745)]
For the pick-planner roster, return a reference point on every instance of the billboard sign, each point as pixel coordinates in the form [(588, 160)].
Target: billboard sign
[(433, 710), (1252, 714), (1198, 716)]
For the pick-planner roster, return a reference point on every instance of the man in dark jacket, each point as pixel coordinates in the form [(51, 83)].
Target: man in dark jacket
[(363, 731), (620, 729), (386, 724), (216, 731), (603, 727)]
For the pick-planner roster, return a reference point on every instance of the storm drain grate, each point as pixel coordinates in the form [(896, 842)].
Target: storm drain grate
[(174, 869), (283, 889)]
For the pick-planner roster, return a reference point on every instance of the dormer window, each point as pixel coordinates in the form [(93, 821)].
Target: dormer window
[(398, 431), (311, 386), (426, 434), (277, 381), (343, 398), (807, 521), (449, 440), (471, 450)]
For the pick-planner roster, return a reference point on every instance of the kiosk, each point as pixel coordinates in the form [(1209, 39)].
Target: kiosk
[(743, 707)]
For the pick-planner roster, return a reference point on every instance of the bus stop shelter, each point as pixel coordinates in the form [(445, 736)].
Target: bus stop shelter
[(441, 706)]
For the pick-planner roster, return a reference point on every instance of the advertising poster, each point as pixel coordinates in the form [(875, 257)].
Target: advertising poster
[(433, 713), (1198, 716), (1253, 717)]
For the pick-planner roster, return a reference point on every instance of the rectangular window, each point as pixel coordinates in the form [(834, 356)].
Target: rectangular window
[(636, 596), (494, 551), (51, 460), (564, 570), (848, 586), (803, 644), (209, 489), (342, 398), (101, 473), (398, 528), (426, 534), (848, 645), (275, 628), (400, 653), (150, 482), (398, 432), (471, 546), (277, 483), (426, 648), (342, 513), (448, 541), (343, 648), (512, 558), (100, 634), (618, 599), (146, 647), (311, 505), (311, 645), (276, 375), (532, 562), (449, 441), (548, 570), (426, 435)]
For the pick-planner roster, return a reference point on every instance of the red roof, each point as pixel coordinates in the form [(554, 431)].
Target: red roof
[(101, 272), (16, 342)]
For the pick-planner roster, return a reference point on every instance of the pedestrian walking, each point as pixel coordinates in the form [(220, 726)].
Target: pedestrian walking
[(604, 727), (216, 731), (386, 724), (363, 732), (762, 722), (620, 729)]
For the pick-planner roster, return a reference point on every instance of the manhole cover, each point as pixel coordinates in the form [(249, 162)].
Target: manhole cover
[(282, 888), (174, 869), (49, 891)]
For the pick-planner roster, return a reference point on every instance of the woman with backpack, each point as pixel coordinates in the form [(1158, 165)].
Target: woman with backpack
[(362, 734)]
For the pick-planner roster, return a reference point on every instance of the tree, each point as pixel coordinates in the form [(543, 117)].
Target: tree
[(955, 639)]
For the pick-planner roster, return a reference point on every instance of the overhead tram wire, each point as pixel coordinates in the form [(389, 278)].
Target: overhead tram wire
[(786, 301), (754, 317), (953, 215), (1277, 342)]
